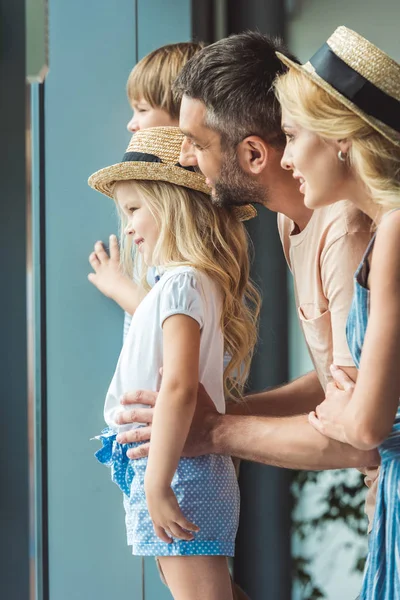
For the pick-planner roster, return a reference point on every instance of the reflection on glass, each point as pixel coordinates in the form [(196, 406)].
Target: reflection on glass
[(36, 406)]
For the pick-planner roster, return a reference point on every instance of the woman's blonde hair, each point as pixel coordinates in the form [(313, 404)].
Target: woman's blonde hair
[(196, 233), (375, 159), (153, 76)]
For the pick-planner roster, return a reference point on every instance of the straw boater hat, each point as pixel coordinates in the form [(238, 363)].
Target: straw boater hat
[(360, 76), (153, 155)]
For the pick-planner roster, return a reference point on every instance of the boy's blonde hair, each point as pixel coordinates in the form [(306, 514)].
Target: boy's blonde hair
[(194, 232), (153, 76), (375, 158)]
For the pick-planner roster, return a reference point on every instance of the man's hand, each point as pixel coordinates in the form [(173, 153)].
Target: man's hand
[(107, 274), (137, 414), (199, 440), (168, 519)]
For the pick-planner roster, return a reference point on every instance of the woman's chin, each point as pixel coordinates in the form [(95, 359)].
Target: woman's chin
[(312, 202), (308, 202)]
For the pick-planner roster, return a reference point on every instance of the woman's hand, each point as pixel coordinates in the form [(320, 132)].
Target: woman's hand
[(168, 519), (328, 416)]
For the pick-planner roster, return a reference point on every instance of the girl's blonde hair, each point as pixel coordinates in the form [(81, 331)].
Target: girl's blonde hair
[(194, 232), (153, 76), (375, 159)]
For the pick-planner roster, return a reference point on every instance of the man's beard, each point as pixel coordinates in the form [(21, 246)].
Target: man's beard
[(235, 187)]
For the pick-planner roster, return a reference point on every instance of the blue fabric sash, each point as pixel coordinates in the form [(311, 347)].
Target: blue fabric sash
[(113, 455)]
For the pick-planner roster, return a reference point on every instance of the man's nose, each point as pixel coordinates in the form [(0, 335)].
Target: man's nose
[(187, 157)]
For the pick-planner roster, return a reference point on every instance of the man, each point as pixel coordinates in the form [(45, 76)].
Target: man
[(231, 121)]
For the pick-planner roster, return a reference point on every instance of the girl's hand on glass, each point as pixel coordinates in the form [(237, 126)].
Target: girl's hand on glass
[(107, 273), (328, 416), (168, 519)]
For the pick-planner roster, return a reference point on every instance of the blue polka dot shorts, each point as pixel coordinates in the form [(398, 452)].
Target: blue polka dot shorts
[(207, 492)]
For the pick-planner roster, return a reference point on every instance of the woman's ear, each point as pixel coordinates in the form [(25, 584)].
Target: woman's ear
[(344, 145), (252, 154)]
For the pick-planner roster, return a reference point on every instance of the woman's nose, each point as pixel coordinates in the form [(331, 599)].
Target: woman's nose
[(286, 162)]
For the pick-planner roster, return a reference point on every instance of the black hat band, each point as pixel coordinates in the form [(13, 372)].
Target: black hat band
[(356, 88), (150, 158)]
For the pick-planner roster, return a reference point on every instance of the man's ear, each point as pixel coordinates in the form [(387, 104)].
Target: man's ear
[(253, 153)]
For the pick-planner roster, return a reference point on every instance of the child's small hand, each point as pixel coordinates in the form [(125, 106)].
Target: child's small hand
[(167, 517), (107, 273)]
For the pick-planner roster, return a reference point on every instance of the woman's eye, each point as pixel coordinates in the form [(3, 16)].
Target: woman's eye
[(132, 209), (289, 137)]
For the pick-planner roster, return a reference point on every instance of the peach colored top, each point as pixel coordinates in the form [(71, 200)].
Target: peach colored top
[(323, 258)]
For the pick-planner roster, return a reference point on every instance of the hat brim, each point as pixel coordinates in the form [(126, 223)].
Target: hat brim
[(389, 133), (105, 179)]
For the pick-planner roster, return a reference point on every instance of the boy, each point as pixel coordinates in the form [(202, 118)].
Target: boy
[(149, 90)]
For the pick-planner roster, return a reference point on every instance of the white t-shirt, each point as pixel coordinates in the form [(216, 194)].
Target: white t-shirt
[(181, 290), (151, 280)]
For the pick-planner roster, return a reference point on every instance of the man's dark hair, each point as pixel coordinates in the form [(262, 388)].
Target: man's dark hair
[(233, 78)]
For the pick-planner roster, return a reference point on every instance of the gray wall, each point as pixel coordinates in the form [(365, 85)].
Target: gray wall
[(314, 21)]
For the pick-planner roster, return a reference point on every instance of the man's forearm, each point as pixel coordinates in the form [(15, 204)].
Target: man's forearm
[(289, 442), (295, 398)]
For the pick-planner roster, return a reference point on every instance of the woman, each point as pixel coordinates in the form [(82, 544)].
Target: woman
[(341, 117)]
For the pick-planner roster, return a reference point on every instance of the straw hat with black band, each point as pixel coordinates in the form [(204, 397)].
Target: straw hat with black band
[(153, 155), (359, 76)]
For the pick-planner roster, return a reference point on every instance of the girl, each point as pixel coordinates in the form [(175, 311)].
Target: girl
[(183, 511), (341, 116)]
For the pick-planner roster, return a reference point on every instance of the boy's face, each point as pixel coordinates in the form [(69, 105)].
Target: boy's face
[(145, 116)]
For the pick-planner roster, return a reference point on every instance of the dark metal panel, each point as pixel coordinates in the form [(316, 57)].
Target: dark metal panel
[(14, 497), (263, 558), (268, 16), (203, 21)]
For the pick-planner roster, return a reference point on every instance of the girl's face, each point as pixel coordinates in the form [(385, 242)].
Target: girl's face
[(145, 115), (142, 226), (322, 177)]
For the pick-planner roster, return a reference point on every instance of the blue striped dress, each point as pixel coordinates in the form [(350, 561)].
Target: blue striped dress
[(382, 570)]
